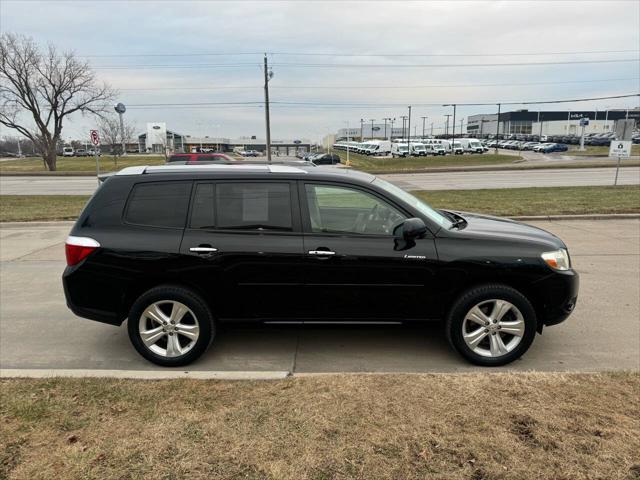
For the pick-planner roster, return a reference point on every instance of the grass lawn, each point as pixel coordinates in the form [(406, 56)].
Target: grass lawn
[(379, 165), (81, 164), (504, 202), (26, 208), (475, 426), (599, 151), (538, 201)]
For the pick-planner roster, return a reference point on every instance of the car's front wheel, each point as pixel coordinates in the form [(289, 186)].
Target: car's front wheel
[(170, 326), (491, 325)]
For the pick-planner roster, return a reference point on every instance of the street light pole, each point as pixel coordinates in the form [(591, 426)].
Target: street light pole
[(409, 133), (497, 129), (372, 120), (391, 121), (424, 120), (267, 76), (361, 124)]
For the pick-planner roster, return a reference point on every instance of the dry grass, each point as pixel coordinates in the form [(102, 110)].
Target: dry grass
[(28, 208), (477, 426), (538, 200), (108, 163)]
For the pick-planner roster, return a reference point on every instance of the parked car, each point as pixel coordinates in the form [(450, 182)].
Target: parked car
[(325, 159), (180, 250), (201, 157), (80, 152)]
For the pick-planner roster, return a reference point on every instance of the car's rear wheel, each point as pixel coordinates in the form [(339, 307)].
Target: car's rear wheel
[(491, 325), (170, 326)]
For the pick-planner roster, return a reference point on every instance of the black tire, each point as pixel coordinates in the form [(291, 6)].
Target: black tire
[(476, 295), (190, 299)]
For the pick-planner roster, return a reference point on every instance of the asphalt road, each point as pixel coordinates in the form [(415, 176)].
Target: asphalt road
[(10, 185), (37, 331)]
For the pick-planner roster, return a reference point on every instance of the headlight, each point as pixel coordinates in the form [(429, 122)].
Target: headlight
[(558, 260)]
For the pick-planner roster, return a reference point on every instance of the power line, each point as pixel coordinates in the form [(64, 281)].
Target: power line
[(359, 87), (449, 65), (334, 54), (361, 65), (380, 105)]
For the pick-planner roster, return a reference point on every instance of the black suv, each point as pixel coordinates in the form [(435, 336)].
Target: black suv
[(178, 249)]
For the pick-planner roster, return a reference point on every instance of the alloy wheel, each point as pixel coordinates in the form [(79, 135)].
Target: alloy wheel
[(493, 328), (168, 328)]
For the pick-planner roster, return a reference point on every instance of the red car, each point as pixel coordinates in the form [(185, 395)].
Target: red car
[(195, 158)]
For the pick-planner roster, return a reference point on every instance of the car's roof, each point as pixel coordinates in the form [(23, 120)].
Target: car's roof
[(247, 170)]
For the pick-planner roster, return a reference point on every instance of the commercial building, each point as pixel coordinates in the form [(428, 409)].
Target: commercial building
[(379, 131), (157, 139), (527, 122)]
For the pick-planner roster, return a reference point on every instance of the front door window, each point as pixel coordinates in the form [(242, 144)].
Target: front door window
[(344, 210)]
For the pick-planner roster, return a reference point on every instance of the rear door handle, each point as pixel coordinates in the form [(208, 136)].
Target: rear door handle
[(322, 253), (202, 250)]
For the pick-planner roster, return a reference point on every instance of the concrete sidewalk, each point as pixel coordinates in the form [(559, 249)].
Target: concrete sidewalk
[(37, 331)]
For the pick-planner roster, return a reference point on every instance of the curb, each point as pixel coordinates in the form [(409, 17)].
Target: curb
[(589, 216), (38, 223), (142, 374), (519, 165)]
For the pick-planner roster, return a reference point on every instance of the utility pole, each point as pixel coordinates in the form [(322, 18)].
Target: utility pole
[(385, 127), (498, 129), (409, 133), (431, 129), (404, 124), (454, 128), (361, 125), (391, 121), (446, 132), (424, 119), (372, 120), (267, 76)]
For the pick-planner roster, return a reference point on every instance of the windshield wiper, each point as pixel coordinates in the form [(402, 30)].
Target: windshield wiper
[(457, 220)]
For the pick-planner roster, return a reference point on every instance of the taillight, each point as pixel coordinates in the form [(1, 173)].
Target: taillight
[(77, 248)]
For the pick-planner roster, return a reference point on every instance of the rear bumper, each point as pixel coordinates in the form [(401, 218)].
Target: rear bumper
[(74, 293)]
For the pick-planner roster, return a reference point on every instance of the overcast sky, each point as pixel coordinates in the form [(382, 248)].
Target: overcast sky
[(164, 34)]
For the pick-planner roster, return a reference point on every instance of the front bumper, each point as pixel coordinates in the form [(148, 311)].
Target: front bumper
[(557, 295)]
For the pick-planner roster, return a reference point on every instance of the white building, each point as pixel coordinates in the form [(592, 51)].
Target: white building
[(527, 122)]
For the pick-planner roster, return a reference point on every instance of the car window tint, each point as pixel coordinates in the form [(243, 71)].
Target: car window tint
[(253, 206), (345, 210), (202, 210), (162, 204)]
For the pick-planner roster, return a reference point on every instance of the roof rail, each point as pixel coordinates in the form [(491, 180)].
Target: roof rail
[(146, 169)]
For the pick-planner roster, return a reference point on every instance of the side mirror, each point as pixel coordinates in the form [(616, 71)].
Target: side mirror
[(407, 232), (410, 229)]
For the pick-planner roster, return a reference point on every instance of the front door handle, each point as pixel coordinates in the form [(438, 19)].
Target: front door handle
[(203, 250), (322, 253)]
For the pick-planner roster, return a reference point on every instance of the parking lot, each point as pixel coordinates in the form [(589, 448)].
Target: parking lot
[(37, 331)]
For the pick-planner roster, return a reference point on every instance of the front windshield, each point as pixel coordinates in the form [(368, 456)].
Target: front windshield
[(402, 149), (415, 202)]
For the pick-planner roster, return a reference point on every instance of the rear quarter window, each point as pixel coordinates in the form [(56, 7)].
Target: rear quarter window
[(159, 204)]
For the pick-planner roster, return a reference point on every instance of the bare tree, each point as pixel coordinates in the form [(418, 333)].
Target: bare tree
[(110, 134), (39, 90)]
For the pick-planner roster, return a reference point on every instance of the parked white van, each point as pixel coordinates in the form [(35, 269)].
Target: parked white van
[(68, 152), (377, 147), (471, 145), (399, 150), (418, 149)]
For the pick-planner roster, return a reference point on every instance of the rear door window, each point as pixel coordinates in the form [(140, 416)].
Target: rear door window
[(253, 206), (159, 204)]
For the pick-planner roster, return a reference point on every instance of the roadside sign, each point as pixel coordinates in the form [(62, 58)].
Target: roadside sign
[(95, 138), (620, 149)]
